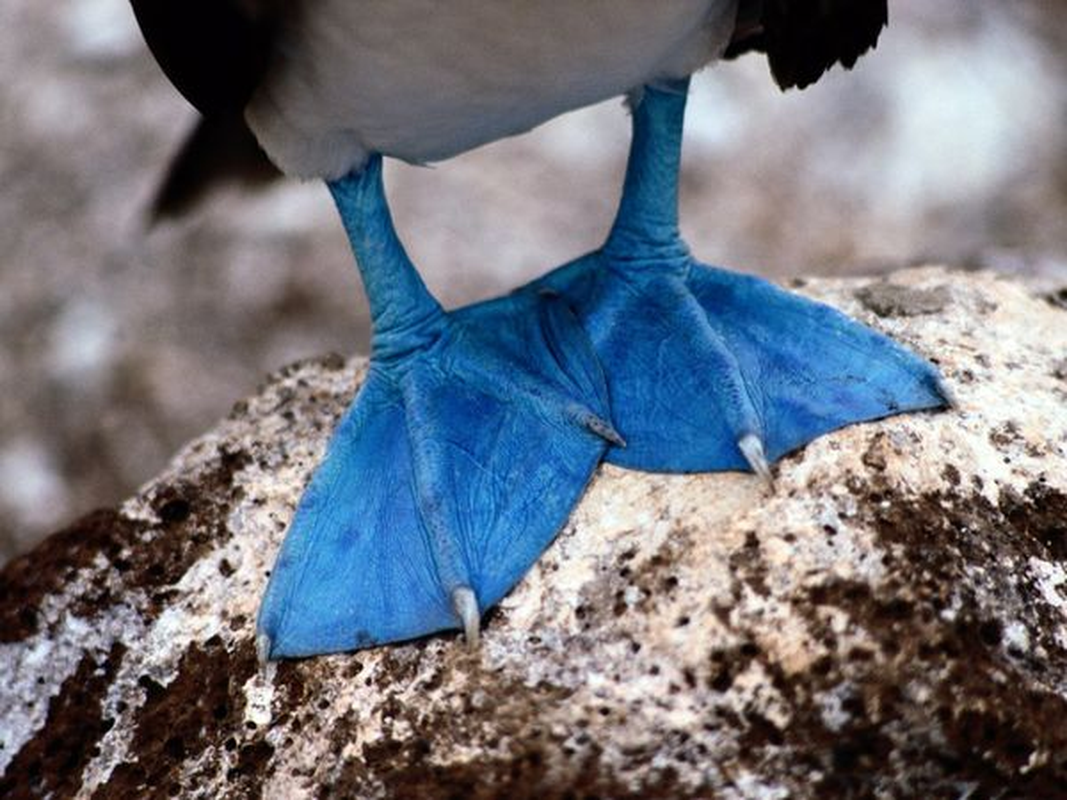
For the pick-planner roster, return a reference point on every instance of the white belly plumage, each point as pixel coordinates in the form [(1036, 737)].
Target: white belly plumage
[(423, 80)]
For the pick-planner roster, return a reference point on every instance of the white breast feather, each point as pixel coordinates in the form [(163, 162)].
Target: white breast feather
[(423, 80)]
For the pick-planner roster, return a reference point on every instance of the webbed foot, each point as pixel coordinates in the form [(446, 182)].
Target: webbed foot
[(713, 370), (473, 437), (709, 369)]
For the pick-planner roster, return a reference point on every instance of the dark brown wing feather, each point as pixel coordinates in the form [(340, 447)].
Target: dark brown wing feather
[(215, 52), (804, 38), (219, 150)]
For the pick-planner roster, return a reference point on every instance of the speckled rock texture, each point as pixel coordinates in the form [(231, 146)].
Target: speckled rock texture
[(890, 621)]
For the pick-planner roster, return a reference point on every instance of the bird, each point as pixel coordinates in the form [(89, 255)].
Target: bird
[(477, 430)]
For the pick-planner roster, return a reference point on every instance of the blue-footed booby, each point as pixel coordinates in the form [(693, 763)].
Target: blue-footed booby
[(477, 430)]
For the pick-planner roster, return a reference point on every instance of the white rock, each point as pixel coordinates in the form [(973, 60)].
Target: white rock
[(891, 620)]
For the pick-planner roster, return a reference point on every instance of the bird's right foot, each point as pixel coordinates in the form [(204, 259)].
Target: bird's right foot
[(474, 436)]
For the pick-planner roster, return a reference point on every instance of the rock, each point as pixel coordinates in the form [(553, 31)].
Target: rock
[(888, 299), (891, 621)]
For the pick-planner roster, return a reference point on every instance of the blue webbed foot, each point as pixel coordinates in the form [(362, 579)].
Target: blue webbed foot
[(473, 437), (709, 369), (713, 370)]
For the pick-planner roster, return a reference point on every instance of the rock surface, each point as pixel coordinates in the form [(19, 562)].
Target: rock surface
[(890, 621)]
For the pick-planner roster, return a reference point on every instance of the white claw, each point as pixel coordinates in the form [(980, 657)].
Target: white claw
[(465, 603), (751, 448), (947, 393), (263, 647)]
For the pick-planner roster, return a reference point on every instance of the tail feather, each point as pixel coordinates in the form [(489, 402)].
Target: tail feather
[(219, 150)]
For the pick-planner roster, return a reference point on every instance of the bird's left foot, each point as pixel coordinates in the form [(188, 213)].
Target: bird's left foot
[(709, 369), (713, 370)]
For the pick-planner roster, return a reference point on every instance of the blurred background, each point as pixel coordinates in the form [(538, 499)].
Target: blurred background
[(118, 343)]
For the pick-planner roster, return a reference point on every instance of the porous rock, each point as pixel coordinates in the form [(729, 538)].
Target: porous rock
[(890, 621)]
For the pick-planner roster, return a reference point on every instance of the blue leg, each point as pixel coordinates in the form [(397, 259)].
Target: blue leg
[(709, 369), (473, 437)]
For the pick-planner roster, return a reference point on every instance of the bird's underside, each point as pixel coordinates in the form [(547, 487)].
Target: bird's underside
[(325, 82), (423, 80), (478, 429)]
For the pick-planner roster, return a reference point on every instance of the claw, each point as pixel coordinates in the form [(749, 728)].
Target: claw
[(263, 647), (604, 429), (595, 424), (947, 393), (751, 448), (466, 606)]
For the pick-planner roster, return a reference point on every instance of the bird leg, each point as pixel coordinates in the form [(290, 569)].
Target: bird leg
[(709, 369), (473, 436)]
